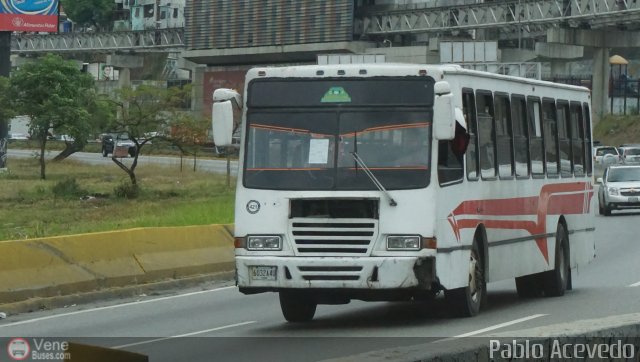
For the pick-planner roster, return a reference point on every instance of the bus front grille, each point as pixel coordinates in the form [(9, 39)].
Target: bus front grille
[(333, 237), (330, 272)]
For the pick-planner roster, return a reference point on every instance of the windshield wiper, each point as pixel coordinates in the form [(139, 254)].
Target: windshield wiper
[(373, 178)]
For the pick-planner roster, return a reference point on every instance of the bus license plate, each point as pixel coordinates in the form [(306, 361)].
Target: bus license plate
[(264, 272), (633, 199)]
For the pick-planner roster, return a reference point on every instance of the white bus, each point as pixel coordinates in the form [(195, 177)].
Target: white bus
[(397, 181)]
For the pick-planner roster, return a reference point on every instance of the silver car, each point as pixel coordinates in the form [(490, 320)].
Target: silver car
[(630, 155), (619, 189)]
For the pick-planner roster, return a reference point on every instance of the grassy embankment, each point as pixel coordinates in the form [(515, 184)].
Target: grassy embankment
[(34, 208), (616, 130)]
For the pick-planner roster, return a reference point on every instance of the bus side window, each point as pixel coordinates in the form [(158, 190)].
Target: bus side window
[(504, 136), (469, 110), (564, 139), (577, 139), (535, 137), (520, 135), (550, 129), (486, 134), (450, 170)]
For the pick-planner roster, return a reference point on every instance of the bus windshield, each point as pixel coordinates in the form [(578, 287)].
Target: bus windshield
[(302, 134), (314, 150)]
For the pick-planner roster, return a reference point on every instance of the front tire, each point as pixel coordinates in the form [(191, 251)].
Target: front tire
[(297, 307), (466, 301), (557, 280), (104, 152)]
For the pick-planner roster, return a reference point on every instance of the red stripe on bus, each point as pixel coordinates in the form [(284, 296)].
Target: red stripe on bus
[(554, 199)]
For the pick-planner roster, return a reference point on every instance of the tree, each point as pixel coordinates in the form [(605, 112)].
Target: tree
[(147, 113), (56, 96), (97, 13), (189, 134), (102, 114)]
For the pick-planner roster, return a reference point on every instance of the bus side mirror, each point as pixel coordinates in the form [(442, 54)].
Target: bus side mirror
[(222, 116), (444, 123)]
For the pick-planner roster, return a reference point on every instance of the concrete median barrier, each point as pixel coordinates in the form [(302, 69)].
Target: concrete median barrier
[(62, 265)]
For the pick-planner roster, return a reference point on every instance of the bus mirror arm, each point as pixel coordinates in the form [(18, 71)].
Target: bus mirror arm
[(373, 178)]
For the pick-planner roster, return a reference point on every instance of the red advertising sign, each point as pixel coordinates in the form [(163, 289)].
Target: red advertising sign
[(29, 15)]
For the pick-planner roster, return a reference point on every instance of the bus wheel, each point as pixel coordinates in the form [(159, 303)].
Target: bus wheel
[(556, 280), (466, 301), (297, 306)]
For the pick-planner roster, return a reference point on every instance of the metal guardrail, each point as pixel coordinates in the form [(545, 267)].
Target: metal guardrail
[(160, 40)]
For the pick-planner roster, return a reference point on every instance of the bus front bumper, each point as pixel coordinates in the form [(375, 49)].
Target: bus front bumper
[(259, 274)]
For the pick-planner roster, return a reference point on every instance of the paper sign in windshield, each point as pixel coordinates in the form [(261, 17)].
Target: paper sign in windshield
[(318, 151)]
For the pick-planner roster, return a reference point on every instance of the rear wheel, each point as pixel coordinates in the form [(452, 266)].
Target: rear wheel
[(557, 280), (466, 301), (297, 306)]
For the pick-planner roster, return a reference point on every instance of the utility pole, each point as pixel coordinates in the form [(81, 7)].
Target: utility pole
[(5, 68)]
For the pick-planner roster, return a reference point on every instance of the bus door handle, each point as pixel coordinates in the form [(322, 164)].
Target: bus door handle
[(479, 209)]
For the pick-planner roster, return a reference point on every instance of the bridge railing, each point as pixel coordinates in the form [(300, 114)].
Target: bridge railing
[(525, 13), (160, 40)]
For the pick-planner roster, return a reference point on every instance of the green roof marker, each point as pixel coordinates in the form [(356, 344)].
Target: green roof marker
[(336, 95)]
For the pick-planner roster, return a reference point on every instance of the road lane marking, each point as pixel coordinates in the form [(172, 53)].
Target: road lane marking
[(497, 326), (183, 335), (635, 284), (115, 306)]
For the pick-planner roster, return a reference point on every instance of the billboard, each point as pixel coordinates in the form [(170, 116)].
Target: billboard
[(29, 15)]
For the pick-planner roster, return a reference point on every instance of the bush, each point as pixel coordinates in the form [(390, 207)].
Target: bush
[(68, 188), (126, 190)]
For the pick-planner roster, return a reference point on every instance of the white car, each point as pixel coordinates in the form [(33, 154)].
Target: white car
[(605, 156), (18, 136), (619, 189)]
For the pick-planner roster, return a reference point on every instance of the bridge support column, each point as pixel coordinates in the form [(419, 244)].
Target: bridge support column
[(558, 67), (197, 89), (600, 84), (124, 79), (5, 69)]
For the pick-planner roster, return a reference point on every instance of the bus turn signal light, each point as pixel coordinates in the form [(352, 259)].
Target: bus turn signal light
[(240, 243), (429, 243)]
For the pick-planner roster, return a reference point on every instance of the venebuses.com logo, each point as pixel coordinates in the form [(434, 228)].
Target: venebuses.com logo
[(38, 349), (18, 349)]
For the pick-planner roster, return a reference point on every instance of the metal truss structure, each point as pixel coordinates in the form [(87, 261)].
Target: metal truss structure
[(161, 40), (529, 15)]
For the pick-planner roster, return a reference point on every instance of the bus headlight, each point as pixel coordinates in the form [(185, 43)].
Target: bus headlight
[(613, 191), (403, 242), (264, 242)]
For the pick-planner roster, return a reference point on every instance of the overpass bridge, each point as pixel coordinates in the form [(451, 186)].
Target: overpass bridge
[(145, 41), (533, 16), (563, 29)]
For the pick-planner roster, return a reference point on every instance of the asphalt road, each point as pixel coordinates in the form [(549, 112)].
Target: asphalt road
[(216, 322), (207, 165)]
